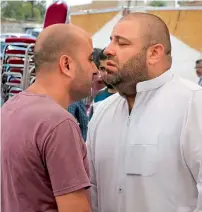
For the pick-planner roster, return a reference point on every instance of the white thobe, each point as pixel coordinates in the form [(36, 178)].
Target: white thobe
[(150, 160)]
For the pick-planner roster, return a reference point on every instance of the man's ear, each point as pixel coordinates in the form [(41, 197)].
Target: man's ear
[(66, 64), (155, 53)]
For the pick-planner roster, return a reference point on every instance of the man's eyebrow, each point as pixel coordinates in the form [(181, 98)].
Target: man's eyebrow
[(117, 37)]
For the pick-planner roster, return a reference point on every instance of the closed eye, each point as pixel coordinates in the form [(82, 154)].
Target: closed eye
[(123, 44), (91, 58)]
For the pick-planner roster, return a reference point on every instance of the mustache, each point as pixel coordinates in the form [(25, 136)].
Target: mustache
[(112, 58)]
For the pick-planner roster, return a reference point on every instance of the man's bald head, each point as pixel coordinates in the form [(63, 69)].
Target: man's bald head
[(56, 40), (153, 29)]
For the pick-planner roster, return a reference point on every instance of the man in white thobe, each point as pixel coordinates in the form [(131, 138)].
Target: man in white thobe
[(145, 142)]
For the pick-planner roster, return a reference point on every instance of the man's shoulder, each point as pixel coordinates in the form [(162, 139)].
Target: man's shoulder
[(36, 110), (183, 90), (107, 104), (189, 85), (108, 101), (53, 114), (50, 110)]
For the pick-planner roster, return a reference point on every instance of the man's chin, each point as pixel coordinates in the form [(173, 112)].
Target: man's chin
[(108, 85)]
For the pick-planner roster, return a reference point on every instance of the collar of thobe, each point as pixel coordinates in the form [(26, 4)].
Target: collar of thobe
[(154, 83)]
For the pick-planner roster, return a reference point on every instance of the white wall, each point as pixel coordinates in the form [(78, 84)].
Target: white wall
[(184, 58)]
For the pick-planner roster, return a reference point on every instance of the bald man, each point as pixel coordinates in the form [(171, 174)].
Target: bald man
[(151, 158), (44, 159)]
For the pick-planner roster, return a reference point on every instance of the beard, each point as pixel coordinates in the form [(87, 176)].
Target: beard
[(108, 85), (132, 72), (81, 86)]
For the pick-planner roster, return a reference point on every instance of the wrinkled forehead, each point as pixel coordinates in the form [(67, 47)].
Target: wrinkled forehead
[(127, 28)]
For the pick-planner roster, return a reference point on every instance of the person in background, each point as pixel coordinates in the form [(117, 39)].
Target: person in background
[(97, 81), (78, 110), (44, 163), (145, 142), (108, 90), (198, 68)]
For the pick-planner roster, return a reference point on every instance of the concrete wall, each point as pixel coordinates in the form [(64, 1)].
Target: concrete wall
[(186, 25), (11, 27), (92, 22), (95, 5), (17, 27)]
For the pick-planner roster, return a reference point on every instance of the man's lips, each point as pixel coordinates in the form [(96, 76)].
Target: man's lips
[(111, 67), (111, 63)]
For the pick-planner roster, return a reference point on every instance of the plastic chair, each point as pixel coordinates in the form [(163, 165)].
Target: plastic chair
[(58, 12)]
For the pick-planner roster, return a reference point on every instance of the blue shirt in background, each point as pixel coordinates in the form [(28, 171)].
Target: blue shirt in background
[(78, 110)]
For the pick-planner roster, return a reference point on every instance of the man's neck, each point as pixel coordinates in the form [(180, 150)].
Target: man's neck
[(131, 101), (58, 97)]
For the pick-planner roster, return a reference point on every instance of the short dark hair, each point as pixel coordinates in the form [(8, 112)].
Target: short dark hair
[(96, 56), (49, 46), (198, 61), (102, 55), (47, 52)]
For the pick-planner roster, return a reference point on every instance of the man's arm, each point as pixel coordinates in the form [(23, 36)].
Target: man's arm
[(192, 142), (65, 157), (75, 201)]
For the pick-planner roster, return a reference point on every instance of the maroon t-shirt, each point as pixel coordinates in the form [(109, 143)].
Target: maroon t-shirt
[(43, 154)]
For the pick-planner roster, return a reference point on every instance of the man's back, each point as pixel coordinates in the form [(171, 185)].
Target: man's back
[(39, 143)]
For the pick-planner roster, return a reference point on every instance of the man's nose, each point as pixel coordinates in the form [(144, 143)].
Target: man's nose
[(109, 50), (95, 69)]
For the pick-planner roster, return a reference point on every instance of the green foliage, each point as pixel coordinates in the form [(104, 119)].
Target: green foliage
[(181, 3), (24, 10), (37, 14), (158, 3)]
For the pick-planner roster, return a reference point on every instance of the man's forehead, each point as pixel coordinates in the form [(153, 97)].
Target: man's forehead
[(127, 29), (86, 42)]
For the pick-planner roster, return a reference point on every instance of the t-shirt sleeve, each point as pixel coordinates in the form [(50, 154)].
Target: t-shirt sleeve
[(65, 158)]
